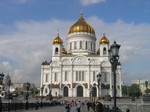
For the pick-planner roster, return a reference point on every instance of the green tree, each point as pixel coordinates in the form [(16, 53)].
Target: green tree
[(124, 89), (135, 90)]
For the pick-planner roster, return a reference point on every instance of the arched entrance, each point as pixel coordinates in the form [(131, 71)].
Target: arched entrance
[(65, 91), (94, 94), (79, 91)]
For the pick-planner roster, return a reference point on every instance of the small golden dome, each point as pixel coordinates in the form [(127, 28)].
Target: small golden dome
[(57, 40), (104, 40), (81, 26), (64, 51)]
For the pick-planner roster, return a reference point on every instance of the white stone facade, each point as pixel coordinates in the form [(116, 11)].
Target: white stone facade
[(73, 74)]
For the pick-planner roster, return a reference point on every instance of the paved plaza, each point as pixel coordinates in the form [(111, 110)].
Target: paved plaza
[(134, 106), (54, 109)]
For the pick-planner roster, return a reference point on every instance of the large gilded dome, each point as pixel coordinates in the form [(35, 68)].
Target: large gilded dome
[(104, 40), (57, 40), (81, 26)]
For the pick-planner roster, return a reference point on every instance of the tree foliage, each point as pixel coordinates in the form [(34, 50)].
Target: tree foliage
[(132, 90), (135, 90)]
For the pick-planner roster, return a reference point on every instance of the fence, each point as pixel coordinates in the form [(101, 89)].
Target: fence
[(23, 106)]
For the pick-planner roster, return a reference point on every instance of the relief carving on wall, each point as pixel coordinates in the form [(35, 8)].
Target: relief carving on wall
[(74, 85), (69, 85), (62, 85), (55, 85), (85, 85), (90, 85), (105, 86)]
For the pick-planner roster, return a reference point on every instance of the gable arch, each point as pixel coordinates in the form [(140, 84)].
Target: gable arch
[(80, 60), (94, 62), (65, 62), (55, 63), (105, 64)]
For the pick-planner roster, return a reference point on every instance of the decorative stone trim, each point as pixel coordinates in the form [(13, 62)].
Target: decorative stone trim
[(55, 85)]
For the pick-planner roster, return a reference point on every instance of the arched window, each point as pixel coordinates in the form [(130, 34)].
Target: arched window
[(56, 50), (94, 94), (79, 91), (104, 50), (65, 91)]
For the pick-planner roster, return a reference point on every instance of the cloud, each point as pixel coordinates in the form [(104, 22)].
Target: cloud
[(22, 1), (25, 48), (90, 2)]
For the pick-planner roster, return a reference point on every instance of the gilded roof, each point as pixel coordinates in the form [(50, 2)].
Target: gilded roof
[(57, 40), (64, 51), (81, 26), (104, 40)]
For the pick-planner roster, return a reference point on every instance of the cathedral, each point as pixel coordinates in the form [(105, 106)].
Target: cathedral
[(73, 72)]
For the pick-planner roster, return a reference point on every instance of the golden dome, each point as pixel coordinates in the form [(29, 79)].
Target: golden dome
[(104, 40), (57, 40), (64, 51), (81, 26)]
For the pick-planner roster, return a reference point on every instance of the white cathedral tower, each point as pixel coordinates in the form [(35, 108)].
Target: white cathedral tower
[(72, 72)]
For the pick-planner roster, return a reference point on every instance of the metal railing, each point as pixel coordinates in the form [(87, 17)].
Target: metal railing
[(22, 106)]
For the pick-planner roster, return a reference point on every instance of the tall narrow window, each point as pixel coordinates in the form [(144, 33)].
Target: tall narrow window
[(104, 50), (94, 47), (75, 45), (105, 77), (55, 77), (56, 50), (94, 76), (86, 45), (80, 44), (46, 77), (82, 75), (66, 75), (70, 46), (77, 76)]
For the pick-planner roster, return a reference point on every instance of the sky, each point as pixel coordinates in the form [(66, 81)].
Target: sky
[(27, 28)]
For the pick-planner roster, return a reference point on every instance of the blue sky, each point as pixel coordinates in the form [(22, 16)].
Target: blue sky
[(27, 28)]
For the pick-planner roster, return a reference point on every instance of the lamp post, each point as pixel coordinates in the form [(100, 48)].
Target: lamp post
[(50, 93), (42, 95), (9, 83), (27, 94), (91, 94), (99, 85), (113, 53)]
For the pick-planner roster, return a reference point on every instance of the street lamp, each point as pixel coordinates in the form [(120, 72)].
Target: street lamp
[(9, 84), (50, 93), (42, 95), (99, 85), (27, 95), (91, 93), (113, 52)]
